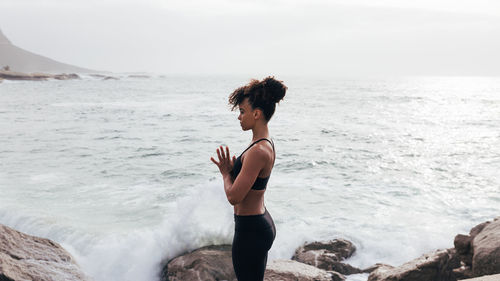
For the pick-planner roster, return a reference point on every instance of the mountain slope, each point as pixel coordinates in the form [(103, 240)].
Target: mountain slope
[(23, 61)]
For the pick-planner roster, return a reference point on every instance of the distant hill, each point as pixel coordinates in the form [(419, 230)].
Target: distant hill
[(23, 61)]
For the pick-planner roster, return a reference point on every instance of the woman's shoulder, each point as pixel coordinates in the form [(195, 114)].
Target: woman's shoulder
[(262, 149)]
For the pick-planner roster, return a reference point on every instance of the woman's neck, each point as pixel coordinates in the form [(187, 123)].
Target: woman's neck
[(260, 132)]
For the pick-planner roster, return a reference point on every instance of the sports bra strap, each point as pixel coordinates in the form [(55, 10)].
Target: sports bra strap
[(272, 144)]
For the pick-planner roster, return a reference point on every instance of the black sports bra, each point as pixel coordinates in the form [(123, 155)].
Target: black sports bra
[(260, 183)]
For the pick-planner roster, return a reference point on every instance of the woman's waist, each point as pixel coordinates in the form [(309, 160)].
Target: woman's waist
[(253, 222)]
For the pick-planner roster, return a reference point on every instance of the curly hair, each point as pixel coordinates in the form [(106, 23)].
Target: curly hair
[(261, 94)]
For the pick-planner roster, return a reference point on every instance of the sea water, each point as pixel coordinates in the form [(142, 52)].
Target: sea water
[(119, 171)]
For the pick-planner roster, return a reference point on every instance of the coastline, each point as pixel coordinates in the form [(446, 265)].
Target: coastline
[(473, 258), (12, 75)]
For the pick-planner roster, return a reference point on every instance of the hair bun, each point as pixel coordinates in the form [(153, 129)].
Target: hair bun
[(275, 88)]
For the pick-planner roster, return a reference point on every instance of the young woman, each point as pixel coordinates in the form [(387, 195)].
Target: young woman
[(245, 178)]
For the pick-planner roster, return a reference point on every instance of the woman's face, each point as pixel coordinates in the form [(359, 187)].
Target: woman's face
[(246, 116)]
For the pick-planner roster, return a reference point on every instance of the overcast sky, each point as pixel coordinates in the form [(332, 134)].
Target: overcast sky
[(291, 37)]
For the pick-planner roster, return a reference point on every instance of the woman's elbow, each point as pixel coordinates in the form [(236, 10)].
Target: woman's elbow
[(233, 200)]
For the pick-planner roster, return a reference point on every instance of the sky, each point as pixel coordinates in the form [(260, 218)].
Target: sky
[(289, 37)]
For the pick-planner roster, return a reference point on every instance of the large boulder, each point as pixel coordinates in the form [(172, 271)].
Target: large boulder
[(435, 266), (289, 270), (206, 263), (26, 257), (328, 255), (486, 250)]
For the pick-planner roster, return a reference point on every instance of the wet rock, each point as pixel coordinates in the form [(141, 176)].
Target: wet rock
[(328, 255), (206, 263), (437, 265), (486, 249), (26, 257), (289, 270)]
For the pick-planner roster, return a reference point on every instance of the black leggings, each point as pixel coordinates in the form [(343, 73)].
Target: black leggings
[(253, 237)]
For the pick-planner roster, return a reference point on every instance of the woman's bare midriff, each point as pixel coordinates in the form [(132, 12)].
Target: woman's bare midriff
[(253, 204)]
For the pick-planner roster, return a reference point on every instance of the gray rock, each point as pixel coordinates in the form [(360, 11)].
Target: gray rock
[(206, 263), (478, 228), (486, 250), (462, 272), (328, 255), (464, 249), (374, 267), (289, 270), (26, 257), (435, 266)]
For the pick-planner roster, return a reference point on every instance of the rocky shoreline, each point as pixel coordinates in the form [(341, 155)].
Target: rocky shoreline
[(475, 255), (12, 75)]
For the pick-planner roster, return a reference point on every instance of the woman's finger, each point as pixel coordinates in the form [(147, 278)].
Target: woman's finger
[(218, 154), (215, 162), (227, 153), (222, 152)]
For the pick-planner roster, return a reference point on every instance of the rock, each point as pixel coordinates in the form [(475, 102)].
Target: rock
[(66, 76), (462, 272), (206, 263), (462, 243), (374, 267), (478, 228), (437, 265), (486, 250), (381, 271), (463, 247), (495, 277), (110, 78), (288, 270), (26, 257), (328, 255), (10, 75), (138, 76)]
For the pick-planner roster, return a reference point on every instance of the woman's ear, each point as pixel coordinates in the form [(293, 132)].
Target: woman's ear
[(257, 113)]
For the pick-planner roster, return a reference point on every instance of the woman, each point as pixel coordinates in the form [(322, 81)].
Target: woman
[(245, 178)]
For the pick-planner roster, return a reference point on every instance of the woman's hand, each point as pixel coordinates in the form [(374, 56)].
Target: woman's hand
[(225, 163)]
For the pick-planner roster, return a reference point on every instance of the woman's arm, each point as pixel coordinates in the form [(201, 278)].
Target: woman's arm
[(255, 159)]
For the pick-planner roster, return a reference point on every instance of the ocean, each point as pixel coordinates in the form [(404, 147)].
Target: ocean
[(119, 173)]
